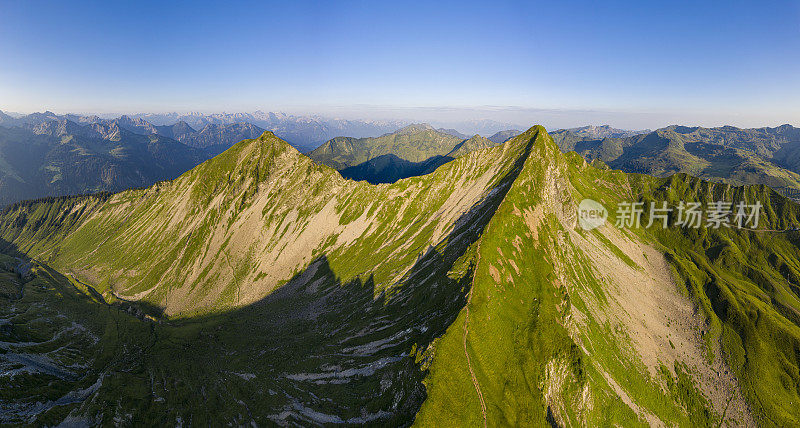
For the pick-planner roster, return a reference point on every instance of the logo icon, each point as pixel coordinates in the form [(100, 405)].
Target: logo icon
[(591, 214)]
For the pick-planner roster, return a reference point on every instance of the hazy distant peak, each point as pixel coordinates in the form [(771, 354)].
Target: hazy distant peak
[(182, 127), (414, 128), (4, 118), (503, 136), (453, 132), (603, 131)]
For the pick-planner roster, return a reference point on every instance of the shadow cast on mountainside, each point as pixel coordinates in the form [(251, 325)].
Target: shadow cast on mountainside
[(315, 351), (139, 309), (390, 168)]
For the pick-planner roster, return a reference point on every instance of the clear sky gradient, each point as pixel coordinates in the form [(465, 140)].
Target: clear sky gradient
[(631, 64)]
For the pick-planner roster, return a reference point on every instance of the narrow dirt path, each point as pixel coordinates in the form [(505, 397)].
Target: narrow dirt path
[(771, 230), (466, 331)]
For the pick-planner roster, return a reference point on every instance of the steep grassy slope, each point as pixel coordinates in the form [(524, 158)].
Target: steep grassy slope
[(573, 327), (746, 284), (285, 294), (547, 333)]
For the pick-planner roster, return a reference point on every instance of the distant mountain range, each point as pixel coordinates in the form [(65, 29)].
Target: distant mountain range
[(45, 154), (415, 143), (418, 149), (303, 132), (208, 136), (65, 146), (61, 158), (503, 136), (583, 132), (602, 131), (768, 156), (76, 154)]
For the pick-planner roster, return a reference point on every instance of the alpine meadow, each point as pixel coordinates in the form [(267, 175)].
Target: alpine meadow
[(434, 215)]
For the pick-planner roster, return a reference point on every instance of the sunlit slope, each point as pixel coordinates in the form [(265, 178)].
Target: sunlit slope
[(573, 327), (746, 284), (231, 230)]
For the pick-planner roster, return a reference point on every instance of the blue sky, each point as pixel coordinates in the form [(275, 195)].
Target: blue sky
[(632, 64)]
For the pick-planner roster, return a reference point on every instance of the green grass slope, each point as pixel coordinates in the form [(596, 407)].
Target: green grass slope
[(746, 283)]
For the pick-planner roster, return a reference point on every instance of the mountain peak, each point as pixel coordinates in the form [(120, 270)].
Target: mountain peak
[(414, 128), (267, 135), (476, 142), (271, 143), (547, 149)]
